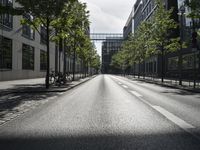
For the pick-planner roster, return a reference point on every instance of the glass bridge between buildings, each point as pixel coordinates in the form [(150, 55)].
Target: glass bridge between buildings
[(106, 36)]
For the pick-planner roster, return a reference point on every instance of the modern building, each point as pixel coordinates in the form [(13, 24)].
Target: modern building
[(134, 19), (22, 50), (137, 15), (143, 11), (129, 27), (110, 47)]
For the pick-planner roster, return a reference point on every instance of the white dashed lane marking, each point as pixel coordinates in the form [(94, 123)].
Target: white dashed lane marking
[(181, 123), (136, 93), (173, 118), (119, 83), (126, 87)]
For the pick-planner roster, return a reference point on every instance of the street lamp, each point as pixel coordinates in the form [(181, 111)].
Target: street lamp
[(181, 13)]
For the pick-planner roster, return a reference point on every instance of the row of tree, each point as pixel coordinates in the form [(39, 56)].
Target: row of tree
[(66, 23), (157, 36)]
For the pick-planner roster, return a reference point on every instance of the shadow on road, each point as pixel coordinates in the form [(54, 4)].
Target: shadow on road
[(175, 141), (176, 89), (27, 94)]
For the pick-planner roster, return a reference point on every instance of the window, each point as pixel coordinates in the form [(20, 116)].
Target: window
[(27, 31), (173, 63), (188, 61), (6, 19), (43, 35), (27, 57), (5, 53), (43, 60)]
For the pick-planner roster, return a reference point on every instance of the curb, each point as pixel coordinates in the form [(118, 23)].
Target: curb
[(51, 90), (167, 85)]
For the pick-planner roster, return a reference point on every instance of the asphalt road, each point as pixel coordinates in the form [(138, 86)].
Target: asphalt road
[(109, 113)]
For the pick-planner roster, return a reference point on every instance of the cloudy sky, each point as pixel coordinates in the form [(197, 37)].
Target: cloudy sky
[(108, 16)]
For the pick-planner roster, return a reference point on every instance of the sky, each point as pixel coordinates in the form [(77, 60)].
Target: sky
[(108, 16)]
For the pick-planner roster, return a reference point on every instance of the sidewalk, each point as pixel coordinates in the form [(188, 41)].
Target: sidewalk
[(186, 85), (35, 85), (20, 96)]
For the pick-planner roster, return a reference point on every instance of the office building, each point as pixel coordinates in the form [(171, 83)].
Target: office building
[(110, 47), (22, 50), (143, 10)]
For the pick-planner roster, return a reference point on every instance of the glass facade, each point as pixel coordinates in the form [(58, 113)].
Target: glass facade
[(43, 36), (27, 57), (5, 53), (43, 60), (27, 31), (173, 63), (189, 60), (6, 19)]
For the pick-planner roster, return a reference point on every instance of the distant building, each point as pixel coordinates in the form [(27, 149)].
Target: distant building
[(110, 47)]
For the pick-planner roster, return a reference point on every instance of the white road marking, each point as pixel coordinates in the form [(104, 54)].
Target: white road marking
[(125, 86), (136, 93), (181, 123), (176, 120), (14, 97), (51, 98), (61, 93), (119, 83)]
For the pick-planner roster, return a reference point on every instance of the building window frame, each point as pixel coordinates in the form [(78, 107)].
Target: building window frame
[(172, 63), (28, 57), (5, 54), (43, 60), (27, 31), (43, 35), (6, 20)]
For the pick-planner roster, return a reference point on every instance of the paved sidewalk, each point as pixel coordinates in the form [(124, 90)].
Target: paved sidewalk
[(20, 96), (34, 85), (186, 85)]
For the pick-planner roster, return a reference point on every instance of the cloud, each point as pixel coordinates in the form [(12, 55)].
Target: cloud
[(108, 15)]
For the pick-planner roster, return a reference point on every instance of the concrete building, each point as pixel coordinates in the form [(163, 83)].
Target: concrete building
[(22, 50), (110, 47)]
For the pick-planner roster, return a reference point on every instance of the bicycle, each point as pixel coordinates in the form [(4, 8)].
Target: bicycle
[(52, 77), (68, 77)]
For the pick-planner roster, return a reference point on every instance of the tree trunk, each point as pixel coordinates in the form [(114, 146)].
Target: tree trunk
[(139, 70), (65, 62), (74, 62), (162, 66), (48, 54), (60, 50)]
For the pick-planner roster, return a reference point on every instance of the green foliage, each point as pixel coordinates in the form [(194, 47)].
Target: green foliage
[(151, 37), (64, 20), (163, 24), (195, 8)]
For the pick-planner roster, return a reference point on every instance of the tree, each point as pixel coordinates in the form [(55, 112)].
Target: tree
[(120, 59), (162, 28), (195, 8), (44, 12), (80, 25)]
